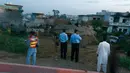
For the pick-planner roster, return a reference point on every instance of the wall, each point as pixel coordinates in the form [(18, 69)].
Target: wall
[(19, 68), (91, 17), (122, 29), (120, 25), (35, 23), (85, 19), (111, 19), (12, 17), (2, 15), (109, 30), (35, 29)]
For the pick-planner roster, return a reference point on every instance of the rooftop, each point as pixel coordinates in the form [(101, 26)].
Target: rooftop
[(61, 21), (13, 5), (38, 13), (10, 7), (90, 15), (122, 14)]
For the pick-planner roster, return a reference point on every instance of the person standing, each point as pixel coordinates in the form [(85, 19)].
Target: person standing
[(33, 43), (75, 41), (63, 37), (103, 52)]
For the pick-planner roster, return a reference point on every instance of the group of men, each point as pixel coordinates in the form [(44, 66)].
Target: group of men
[(74, 40), (103, 50)]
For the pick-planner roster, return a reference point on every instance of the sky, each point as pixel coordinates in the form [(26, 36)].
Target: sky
[(71, 7)]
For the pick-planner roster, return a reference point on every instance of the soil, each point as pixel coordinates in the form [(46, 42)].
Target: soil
[(87, 60), (48, 56)]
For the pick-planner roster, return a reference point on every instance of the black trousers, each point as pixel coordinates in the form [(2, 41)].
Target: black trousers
[(63, 50), (75, 52)]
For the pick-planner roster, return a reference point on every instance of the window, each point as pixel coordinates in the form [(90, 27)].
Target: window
[(116, 19), (98, 18), (114, 29), (124, 21), (125, 30), (120, 30), (94, 18)]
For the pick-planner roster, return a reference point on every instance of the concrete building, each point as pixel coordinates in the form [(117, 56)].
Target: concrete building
[(86, 18), (34, 20), (11, 14), (90, 17), (73, 17), (106, 14), (120, 22)]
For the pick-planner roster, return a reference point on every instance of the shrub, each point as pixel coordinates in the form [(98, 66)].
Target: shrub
[(117, 33), (13, 44), (125, 62), (124, 45)]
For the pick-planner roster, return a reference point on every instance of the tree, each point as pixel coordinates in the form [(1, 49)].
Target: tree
[(97, 24), (56, 12), (98, 28)]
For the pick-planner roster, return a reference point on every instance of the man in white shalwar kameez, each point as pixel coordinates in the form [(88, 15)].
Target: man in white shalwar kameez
[(103, 52)]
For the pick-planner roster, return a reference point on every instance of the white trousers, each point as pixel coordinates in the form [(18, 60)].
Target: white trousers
[(103, 66)]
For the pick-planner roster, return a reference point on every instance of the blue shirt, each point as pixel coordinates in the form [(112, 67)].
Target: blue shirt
[(63, 37), (75, 38)]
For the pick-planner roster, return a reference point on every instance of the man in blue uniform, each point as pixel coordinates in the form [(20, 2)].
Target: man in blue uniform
[(75, 41), (63, 42)]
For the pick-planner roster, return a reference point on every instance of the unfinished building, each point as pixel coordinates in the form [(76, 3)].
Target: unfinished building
[(11, 15)]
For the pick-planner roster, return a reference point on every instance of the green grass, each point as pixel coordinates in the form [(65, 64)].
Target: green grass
[(13, 43), (125, 62)]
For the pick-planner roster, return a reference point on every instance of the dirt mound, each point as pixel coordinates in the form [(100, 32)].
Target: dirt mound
[(88, 35)]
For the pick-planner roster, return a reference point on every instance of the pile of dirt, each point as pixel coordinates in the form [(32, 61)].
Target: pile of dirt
[(88, 35)]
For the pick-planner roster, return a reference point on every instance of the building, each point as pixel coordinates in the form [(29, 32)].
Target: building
[(61, 21), (34, 20), (86, 18), (73, 17), (37, 16), (106, 14), (119, 22), (11, 14)]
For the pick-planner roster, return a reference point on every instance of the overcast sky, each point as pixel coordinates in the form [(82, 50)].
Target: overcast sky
[(73, 7)]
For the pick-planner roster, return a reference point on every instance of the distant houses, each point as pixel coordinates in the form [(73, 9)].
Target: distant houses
[(35, 20), (86, 18), (11, 14), (118, 21)]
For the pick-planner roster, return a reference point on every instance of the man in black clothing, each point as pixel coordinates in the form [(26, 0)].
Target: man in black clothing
[(63, 40), (75, 41)]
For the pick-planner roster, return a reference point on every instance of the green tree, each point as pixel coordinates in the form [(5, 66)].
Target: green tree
[(98, 27)]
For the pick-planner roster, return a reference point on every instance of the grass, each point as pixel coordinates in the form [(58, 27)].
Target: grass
[(125, 62), (13, 43)]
